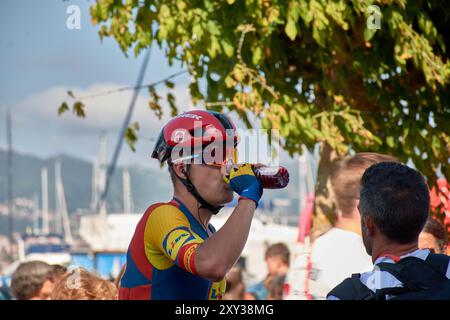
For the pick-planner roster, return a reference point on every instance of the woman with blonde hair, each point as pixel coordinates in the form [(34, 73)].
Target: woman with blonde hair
[(80, 284)]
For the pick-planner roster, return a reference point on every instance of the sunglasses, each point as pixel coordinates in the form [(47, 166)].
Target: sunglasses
[(229, 155)]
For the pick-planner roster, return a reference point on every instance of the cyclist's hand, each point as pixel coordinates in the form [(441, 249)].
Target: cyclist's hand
[(243, 181)]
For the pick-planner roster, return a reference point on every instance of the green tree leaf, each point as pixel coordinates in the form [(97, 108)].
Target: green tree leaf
[(291, 29), (169, 84), (78, 109), (172, 104), (63, 108), (131, 137)]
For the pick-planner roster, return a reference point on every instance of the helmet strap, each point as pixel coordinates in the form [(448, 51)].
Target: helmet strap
[(192, 190)]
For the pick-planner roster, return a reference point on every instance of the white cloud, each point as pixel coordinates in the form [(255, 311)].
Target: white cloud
[(103, 112), (39, 130)]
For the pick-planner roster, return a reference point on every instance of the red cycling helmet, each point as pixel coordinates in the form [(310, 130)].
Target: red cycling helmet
[(193, 129), (196, 131)]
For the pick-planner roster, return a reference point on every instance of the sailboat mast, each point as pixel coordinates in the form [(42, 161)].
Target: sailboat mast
[(57, 220), (63, 215), (36, 228), (44, 190), (10, 182), (127, 201)]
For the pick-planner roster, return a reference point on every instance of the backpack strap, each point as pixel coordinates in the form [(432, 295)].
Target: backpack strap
[(415, 274), (439, 262), (381, 294), (402, 273), (352, 289)]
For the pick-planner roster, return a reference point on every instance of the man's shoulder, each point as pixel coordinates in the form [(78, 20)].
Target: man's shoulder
[(386, 279), (162, 219), (166, 207), (350, 288), (163, 212), (380, 279)]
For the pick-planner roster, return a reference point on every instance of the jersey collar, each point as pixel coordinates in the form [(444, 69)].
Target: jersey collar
[(196, 226)]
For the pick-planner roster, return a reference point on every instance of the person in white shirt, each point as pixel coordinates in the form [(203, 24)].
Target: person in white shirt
[(340, 251), (394, 206)]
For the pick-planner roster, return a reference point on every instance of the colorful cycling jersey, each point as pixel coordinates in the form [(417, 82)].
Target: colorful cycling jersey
[(161, 257)]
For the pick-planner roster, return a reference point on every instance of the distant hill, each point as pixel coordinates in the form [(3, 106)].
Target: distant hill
[(147, 185)]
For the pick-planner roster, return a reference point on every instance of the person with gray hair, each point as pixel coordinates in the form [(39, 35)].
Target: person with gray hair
[(33, 280), (340, 251), (394, 205)]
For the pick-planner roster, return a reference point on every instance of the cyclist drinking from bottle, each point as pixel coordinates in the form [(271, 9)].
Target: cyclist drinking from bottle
[(175, 252)]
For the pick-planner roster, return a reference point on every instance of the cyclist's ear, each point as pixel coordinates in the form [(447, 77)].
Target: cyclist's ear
[(179, 169)]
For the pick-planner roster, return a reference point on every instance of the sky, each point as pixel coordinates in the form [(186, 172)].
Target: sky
[(41, 59)]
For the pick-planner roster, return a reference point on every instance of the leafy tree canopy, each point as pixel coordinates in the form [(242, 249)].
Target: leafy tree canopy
[(312, 69)]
